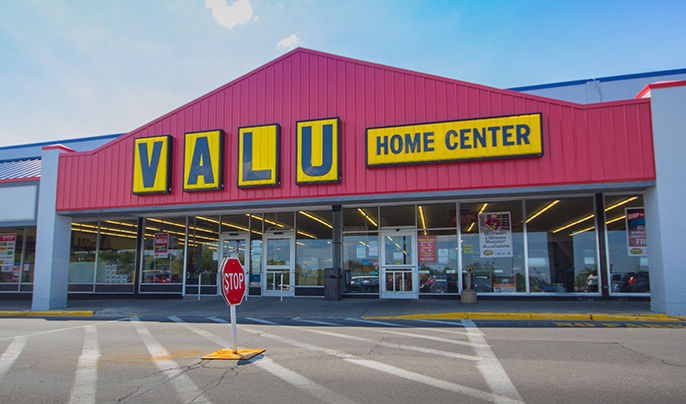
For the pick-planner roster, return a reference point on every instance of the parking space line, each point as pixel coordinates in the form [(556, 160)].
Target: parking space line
[(388, 369), (489, 366), (427, 337), (86, 377), (259, 320), (359, 320), (11, 354), (301, 382), (188, 391), (316, 322), (406, 347)]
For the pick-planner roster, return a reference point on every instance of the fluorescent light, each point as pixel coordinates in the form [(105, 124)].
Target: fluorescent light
[(548, 206), (583, 219), (421, 214), (362, 212), (621, 203), (313, 217), (483, 207)]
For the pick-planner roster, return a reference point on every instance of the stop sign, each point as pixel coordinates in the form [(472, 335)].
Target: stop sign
[(233, 281)]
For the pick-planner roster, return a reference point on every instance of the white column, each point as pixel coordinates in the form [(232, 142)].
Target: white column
[(53, 235), (665, 213)]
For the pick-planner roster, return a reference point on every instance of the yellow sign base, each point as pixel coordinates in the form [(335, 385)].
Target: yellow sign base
[(241, 354)]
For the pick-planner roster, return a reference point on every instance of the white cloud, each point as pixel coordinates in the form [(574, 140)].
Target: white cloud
[(239, 12), (289, 42)]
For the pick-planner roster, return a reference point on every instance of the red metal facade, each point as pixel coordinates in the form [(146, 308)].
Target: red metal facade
[(597, 143)]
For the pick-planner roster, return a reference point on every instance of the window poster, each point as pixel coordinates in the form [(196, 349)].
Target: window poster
[(361, 251), (161, 245), (7, 244), (373, 248), (636, 238), (495, 234), (427, 248)]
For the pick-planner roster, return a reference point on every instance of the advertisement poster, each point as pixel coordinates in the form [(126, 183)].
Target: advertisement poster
[(7, 244), (427, 248), (443, 255), (373, 248), (495, 234), (361, 251), (636, 240), (161, 245)]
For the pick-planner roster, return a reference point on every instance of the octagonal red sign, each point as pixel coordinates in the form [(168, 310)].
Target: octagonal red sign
[(233, 281)]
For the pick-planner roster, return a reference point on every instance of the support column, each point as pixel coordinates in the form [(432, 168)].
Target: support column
[(53, 235), (602, 256), (664, 204), (337, 223)]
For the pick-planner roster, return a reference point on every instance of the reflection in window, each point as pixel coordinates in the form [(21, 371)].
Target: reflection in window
[(392, 216), (203, 238), (493, 245), (314, 250), (256, 226), (84, 236), (163, 250), (627, 251), (117, 252), (29, 257), (361, 262), (562, 245)]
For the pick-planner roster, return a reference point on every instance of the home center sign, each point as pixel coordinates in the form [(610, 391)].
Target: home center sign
[(233, 291)]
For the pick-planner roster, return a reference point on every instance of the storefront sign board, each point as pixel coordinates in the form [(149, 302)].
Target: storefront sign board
[(318, 151), (152, 158), (469, 139), (203, 161), (259, 150)]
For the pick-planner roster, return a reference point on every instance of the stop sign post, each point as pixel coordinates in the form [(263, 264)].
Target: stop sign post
[(233, 290)]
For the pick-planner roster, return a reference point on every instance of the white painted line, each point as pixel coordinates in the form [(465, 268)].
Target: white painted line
[(217, 319), (188, 391), (382, 367), (86, 378), (427, 337), (11, 354), (490, 367), (259, 320), (65, 329), (316, 322), (405, 347), (321, 393), (445, 330), (377, 322)]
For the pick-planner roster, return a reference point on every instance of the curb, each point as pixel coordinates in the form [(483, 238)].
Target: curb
[(43, 313), (533, 316)]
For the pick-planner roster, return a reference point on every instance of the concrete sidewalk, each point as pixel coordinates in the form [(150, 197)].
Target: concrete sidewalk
[(351, 307)]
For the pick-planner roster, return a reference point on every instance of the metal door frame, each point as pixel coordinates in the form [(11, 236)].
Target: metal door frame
[(266, 237), (383, 293), (239, 236)]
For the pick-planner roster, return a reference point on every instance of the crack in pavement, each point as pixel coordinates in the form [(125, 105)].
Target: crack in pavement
[(183, 370)]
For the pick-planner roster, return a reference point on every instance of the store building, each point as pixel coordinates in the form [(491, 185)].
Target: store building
[(403, 180)]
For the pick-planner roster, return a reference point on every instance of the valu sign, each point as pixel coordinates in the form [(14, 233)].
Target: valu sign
[(318, 150)]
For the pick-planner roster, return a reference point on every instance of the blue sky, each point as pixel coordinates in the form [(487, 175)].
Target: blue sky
[(76, 68)]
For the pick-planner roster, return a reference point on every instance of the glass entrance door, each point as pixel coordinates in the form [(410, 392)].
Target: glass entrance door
[(234, 245), (399, 276), (278, 273)]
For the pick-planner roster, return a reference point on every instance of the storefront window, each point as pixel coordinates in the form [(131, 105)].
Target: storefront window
[(626, 243), (117, 252), (84, 238), (203, 239), (392, 216), (493, 245), (361, 262), (278, 221), (313, 250), (256, 231), (437, 261), (163, 250), (361, 219), (436, 216), (562, 245), (29, 257), (11, 243)]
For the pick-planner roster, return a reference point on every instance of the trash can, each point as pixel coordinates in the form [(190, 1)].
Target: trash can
[(333, 284)]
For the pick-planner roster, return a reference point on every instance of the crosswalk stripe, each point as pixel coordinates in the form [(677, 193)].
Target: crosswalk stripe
[(427, 337), (283, 373), (85, 380), (11, 354), (216, 319), (316, 322), (489, 366), (187, 390), (64, 329), (389, 369), (405, 347), (377, 322)]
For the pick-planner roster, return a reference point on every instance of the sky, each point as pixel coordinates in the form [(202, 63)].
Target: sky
[(80, 68)]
